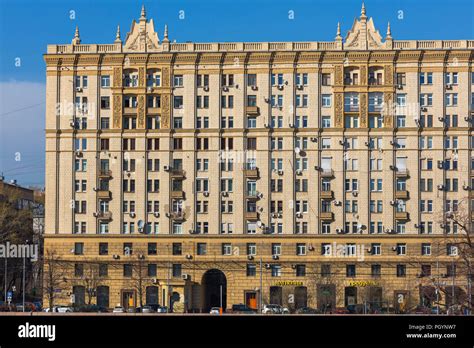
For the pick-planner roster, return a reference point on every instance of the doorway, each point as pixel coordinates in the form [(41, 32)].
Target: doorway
[(214, 288)]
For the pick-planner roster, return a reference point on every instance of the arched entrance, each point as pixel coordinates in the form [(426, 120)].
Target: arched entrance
[(214, 285), (103, 296)]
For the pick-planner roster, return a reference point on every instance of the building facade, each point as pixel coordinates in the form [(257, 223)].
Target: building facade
[(298, 173)]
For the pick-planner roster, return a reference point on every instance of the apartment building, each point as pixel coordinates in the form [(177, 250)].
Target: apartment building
[(299, 173)]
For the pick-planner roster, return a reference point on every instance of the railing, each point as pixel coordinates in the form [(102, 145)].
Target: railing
[(256, 46)]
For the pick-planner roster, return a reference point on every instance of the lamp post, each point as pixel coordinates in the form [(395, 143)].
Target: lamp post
[(6, 283), (260, 297), (24, 277)]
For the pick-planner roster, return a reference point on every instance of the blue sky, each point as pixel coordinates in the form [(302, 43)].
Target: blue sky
[(27, 26)]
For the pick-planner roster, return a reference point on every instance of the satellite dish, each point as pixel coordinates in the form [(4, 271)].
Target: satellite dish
[(140, 224), (297, 150), (259, 223)]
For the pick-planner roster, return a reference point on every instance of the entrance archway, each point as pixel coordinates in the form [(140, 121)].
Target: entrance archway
[(213, 283)]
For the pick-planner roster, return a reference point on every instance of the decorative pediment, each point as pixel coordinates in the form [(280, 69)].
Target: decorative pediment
[(142, 36), (363, 34)]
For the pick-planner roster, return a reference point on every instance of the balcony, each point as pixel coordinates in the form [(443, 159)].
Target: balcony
[(177, 215), (253, 110), (153, 110), (104, 194), (327, 194), (327, 173), (177, 194), (177, 173), (402, 173), (472, 215), (252, 195), (351, 108), (402, 194), (401, 215), (251, 215), (105, 173), (375, 107), (104, 215), (129, 110), (326, 215), (251, 173)]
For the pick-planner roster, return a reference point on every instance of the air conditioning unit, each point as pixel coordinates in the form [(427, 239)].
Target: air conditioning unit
[(337, 203), (310, 247), (132, 215), (166, 168), (389, 230), (394, 248), (260, 209), (254, 87), (156, 213), (393, 142), (225, 194), (291, 125), (280, 215), (275, 257), (299, 172), (78, 153), (189, 256), (250, 257), (185, 276), (339, 230), (72, 124), (280, 87), (299, 214), (154, 281), (274, 215), (466, 188), (266, 99), (399, 86), (367, 143), (206, 194), (225, 89), (355, 193), (78, 89), (300, 87), (168, 215), (342, 142), (149, 89), (267, 265), (95, 214), (393, 202), (423, 109), (441, 187), (280, 172), (449, 86), (268, 126), (317, 168), (440, 164), (206, 88), (314, 139), (260, 195), (116, 257), (442, 226), (441, 118)]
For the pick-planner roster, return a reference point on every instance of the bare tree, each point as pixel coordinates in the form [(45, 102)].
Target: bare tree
[(139, 279), (55, 272), (90, 280)]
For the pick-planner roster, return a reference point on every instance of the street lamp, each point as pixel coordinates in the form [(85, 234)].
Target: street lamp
[(24, 277)]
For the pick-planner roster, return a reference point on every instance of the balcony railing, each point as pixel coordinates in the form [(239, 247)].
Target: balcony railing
[(177, 194), (177, 173), (327, 194), (177, 215), (104, 215), (401, 215), (401, 194), (251, 215), (326, 215), (351, 108), (327, 173), (105, 173), (104, 194), (251, 173), (253, 110), (402, 172)]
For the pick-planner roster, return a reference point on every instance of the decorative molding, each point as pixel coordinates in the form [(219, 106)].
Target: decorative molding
[(363, 110), (141, 111), (117, 111), (117, 77), (165, 111), (339, 110)]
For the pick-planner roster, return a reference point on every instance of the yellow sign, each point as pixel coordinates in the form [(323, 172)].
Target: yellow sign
[(362, 283), (289, 282)]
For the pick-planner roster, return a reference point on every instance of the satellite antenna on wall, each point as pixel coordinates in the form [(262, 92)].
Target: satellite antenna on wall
[(140, 225)]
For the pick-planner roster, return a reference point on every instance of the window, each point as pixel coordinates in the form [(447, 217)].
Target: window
[(401, 271), (178, 102), (251, 270), (350, 270), (425, 249), (300, 270), (178, 80), (105, 81), (152, 249), (201, 248), (127, 270), (177, 270), (326, 100), (326, 79), (300, 249), (105, 102), (326, 122), (226, 249), (78, 248), (376, 270), (276, 270), (152, 268), (177, 248)]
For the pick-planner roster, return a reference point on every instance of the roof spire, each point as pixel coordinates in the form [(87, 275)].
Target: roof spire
[(117, 35), (165, 35), (389, 31), (338, 32), (77, 38), (362, 11), (143, 13)]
